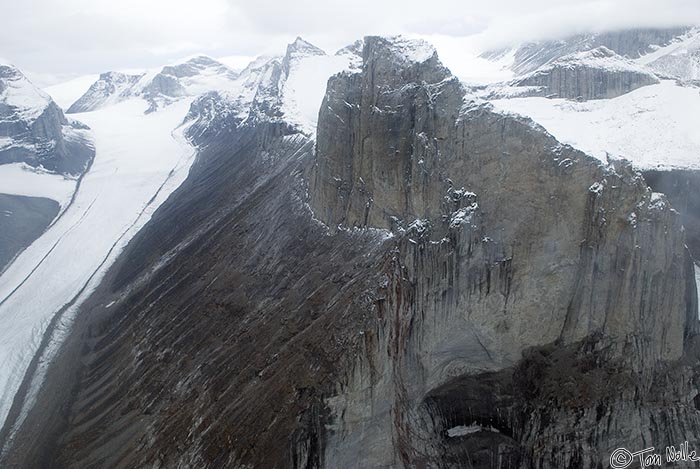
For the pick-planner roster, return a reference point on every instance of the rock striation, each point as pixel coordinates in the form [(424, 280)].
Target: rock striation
[(511, 244), (428, 284), (33, 129)]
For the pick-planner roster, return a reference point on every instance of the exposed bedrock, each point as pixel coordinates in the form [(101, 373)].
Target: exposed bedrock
[(530, 308), (510, 242), (682, 187)]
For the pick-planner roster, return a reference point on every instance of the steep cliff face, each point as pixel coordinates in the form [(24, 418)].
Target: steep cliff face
[(433, 285), (33, 129)]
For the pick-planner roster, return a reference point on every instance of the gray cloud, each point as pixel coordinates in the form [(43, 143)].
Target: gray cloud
[(88, 36)]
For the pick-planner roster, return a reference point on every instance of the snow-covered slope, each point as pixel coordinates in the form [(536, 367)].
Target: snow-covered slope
[(679, 59), (33, 129), (66, 93), (304, 86), (654, 127), (140, 160), (287, 89), (142, 155)]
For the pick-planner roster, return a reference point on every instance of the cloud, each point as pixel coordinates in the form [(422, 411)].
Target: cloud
[(88, 36)]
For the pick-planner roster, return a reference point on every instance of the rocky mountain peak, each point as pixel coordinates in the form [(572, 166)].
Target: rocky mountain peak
[(109, 87), (34, 130), (299, 50), (19, 95)]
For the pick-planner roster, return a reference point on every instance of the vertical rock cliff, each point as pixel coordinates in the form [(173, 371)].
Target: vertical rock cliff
[(428, 284), (511, 244)]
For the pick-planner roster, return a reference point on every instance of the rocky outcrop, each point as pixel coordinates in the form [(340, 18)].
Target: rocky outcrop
[(33, 129), (455, 288), (595, 74), (511, 243)]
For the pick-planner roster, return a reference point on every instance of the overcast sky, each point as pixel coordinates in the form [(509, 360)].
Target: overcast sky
[(49, 39)]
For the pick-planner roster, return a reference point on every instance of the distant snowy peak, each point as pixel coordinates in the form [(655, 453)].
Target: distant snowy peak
[(680, 59), (411, 50), (192, 77), (22, 99), (630, 43), (33, 129), (301, 48), (110, 88)]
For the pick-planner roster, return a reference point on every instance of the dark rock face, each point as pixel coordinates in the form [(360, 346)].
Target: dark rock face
[(529, 308), (33, 129), (597, 74), (162, 89), (23, 220)]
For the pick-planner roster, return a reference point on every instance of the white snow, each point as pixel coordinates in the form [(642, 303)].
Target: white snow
[(29, 101), (413, 50), (654, 126), (22, 179), (139, 162), (601, 58), (305, 88), (66, 93)]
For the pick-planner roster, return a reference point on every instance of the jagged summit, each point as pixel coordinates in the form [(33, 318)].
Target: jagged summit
[(303, 47), (191, 77), (110, 87), (599, 57), (197, 65)]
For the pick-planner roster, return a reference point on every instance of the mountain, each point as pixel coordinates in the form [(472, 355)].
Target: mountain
[(630, 43), (595, 74), (189, 78), (424, 281), (33, 129), (679, 59), (646, 106)]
